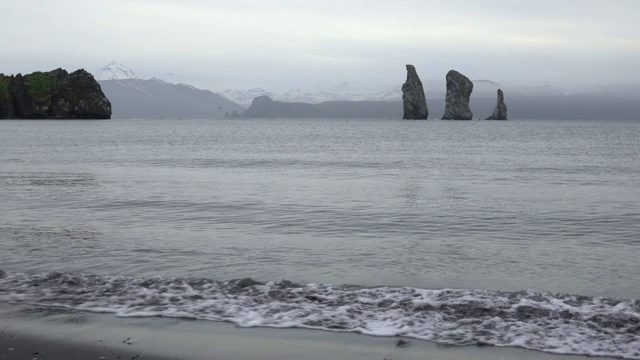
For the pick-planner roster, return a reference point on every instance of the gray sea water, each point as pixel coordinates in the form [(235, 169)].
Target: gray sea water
[(156, 217)]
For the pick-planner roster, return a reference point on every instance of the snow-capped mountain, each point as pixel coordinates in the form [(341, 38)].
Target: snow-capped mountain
[(114, 71), (245, 97)]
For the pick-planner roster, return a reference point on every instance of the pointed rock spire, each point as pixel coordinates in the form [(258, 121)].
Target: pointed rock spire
[(500, 112), (414, 101)]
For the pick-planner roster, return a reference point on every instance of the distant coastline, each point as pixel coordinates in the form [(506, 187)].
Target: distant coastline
[(570, 107), (135, 98)]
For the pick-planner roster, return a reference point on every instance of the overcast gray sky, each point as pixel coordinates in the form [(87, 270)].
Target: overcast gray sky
[(310, 44)]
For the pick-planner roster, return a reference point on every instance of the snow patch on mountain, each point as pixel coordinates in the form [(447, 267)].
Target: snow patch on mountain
[(114, 71)]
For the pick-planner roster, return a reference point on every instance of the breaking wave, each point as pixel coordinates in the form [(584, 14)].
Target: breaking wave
[(546, 321)]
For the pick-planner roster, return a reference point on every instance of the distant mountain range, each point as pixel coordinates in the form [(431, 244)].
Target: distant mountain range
[(133, 98), (434, 89), (245, 97), (571, 107), (137, 98), (524, 102)]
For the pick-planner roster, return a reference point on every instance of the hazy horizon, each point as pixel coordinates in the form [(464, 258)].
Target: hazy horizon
[(355, 46)]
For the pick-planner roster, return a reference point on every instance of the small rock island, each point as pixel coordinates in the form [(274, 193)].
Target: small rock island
[(500, 112), (53, 95), (459, 89), (413, 98)]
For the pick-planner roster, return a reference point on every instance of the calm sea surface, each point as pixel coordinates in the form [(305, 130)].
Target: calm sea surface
[(505, 206)]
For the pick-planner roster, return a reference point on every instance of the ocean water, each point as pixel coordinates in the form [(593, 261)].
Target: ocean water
[(516, 233)]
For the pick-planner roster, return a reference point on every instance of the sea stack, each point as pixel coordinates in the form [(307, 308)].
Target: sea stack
[(53, 95), (500, 112), (414, 101), (459, 89)]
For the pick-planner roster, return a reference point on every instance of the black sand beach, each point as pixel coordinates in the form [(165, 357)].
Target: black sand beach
[(43, 334), (16, 345)]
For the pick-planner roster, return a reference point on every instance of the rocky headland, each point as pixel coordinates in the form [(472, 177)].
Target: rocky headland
[(55, 94), (265, 107), (500, 112), (459, 89), (413, 98)]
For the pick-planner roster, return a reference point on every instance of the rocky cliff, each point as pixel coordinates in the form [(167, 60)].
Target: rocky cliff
[(52, 95), (459, 89), (500, 112), (413, 99)]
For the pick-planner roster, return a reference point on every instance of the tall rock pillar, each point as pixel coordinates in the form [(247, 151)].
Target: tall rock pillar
[(459, 89), (414, 101)]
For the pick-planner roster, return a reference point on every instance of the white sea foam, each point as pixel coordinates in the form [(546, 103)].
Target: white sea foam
[(552, 322)]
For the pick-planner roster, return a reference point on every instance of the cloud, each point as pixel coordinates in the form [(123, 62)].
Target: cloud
[(277, 42)]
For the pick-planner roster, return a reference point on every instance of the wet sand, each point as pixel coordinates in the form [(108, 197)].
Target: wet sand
[(15, 345), (45, 334)]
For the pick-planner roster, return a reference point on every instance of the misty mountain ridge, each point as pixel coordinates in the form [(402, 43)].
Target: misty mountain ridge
[(626, 89), (245, 97), (155, 98), (134, 98), (434, 89), (569, 107), (137, 98)]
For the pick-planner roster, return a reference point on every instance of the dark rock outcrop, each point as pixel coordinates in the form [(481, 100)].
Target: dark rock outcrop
[(459, 89), (413, 99), (52, 95), (500, 112)]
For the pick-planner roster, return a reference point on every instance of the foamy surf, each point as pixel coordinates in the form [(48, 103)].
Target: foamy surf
[(545, 321)]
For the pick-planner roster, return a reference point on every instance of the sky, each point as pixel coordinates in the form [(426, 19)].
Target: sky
[(346, 45)]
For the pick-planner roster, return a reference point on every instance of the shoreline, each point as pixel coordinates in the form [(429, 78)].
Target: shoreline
[(56, 334)]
